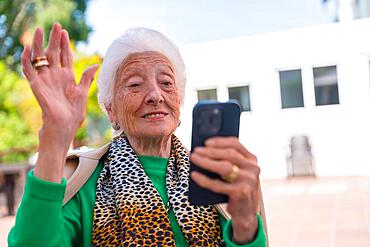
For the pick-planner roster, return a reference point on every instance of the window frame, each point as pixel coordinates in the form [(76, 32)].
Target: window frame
[(206, 88), (234, 85), (280, 91), (321, 65)]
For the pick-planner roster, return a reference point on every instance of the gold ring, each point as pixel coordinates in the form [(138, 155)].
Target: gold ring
[(40, 63), (232, 175), (37, 59)]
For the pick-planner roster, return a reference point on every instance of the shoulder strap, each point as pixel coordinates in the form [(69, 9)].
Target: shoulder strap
[(82, 169)]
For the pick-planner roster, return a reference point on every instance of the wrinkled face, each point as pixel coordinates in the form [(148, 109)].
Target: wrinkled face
[(146, 101)]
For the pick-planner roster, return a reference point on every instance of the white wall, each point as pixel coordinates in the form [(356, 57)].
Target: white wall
[(340, 134)]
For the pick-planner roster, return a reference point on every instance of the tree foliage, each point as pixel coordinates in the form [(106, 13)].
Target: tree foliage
[(15, 128), (20, 115), (19, 18), (96, 129)]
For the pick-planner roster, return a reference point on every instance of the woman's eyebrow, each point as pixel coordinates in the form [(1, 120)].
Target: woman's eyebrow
[(166, 68), (167, 72), (131, 70), (128, 72), (171, 75)]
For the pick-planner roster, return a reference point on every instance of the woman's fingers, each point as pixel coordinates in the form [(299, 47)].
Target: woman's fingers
[(37, 47), (227, 153), (243, 188), (88, 76), (53, 50), (27, 68), (227, 142), (224, 167), (214, 185), (237, 191), (66, 57), (221, 168)]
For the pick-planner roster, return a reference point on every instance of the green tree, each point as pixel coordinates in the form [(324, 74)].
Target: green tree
[(18, 19), (20, 115), (15, 133), (96, 129)]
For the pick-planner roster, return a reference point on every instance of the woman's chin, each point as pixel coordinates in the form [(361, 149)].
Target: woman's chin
[(156, 132)]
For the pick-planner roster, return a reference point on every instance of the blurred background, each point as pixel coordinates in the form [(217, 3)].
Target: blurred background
[(299, 69)]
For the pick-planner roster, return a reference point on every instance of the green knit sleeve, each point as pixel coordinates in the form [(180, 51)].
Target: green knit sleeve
[(40, 220), (259, 241)]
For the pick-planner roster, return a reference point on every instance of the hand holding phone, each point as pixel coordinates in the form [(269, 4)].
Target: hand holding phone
[(221, 155), (210, 119)]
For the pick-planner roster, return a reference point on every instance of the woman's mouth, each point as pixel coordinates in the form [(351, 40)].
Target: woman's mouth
[(154, 115)]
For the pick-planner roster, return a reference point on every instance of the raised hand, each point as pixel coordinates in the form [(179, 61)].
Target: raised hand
[(62, 101)]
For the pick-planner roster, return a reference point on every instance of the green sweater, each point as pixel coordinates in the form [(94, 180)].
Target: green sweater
[(42, 220)]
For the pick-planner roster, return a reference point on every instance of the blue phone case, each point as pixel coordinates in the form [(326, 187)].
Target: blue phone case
[(211, 118)]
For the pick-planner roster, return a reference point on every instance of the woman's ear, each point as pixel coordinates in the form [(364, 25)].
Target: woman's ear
[(111, 113)]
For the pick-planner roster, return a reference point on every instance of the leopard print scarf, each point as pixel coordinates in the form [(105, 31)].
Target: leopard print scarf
[(130, 212)]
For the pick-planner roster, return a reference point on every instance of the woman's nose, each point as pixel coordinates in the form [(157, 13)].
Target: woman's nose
[(154, 95)]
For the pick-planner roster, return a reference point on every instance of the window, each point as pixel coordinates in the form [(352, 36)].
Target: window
[(291, 88), (241, 94), (326, 85), (208, 94)]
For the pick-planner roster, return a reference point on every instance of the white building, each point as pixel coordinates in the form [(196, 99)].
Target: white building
[(347, 10), (283, 71)]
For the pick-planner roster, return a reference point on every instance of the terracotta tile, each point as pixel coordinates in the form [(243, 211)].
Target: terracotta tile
[(324, 212)]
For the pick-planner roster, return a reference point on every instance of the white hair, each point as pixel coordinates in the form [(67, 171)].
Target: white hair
[(132, 41)]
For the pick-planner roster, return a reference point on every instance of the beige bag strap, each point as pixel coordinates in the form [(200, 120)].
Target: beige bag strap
[(79, 167)]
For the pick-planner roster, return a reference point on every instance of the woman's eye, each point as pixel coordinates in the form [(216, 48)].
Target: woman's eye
[(167, 83), (133, 81), (132, 85)]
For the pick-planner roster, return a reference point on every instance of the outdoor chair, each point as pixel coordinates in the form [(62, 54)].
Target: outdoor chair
[(300, 161)]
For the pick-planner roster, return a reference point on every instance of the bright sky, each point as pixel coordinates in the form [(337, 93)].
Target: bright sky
[(190, 21)]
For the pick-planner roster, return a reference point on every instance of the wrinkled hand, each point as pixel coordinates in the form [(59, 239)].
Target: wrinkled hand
[(218, 156), (62, 101)]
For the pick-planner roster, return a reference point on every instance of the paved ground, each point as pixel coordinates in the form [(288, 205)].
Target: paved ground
[(325, 212), (331, 212)]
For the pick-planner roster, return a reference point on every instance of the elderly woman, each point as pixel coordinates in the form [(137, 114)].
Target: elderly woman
[(134, 190)]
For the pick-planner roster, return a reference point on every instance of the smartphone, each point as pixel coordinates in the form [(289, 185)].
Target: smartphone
[(211, 118)]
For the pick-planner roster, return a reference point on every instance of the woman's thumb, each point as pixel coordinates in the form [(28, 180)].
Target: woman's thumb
[(88, 76)]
